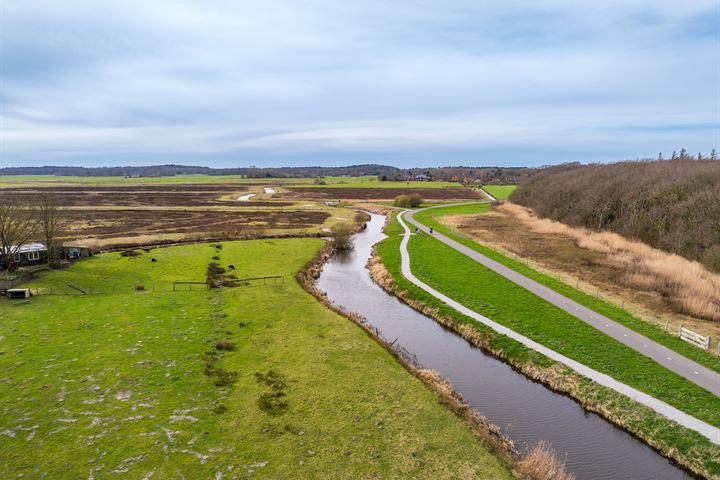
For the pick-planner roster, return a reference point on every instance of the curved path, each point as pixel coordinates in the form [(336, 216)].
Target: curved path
[(705, 429)]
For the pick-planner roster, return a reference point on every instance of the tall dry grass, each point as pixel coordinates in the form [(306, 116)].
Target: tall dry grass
[(687, 285), (542, 463)]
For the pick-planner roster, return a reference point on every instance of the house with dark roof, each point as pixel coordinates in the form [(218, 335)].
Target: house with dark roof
[(27, 255)]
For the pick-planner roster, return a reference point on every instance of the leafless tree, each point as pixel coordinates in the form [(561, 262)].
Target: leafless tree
[(50, 223), (18, 225)]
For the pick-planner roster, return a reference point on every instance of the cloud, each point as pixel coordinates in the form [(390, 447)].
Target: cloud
[(298, 81)]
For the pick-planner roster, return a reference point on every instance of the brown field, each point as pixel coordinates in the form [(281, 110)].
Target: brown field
[(380, 193), (657, 286), (193, 195), (112, 216), (101, 224)]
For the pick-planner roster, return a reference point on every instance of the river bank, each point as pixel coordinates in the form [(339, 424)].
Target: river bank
[(686, 448)]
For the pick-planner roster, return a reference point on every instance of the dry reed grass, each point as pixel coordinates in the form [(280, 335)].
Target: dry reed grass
[(542, 463), (687, 285)]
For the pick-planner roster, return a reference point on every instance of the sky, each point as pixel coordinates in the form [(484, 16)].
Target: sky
[(340, 82)]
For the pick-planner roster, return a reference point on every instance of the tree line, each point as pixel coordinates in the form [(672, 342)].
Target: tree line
[(671, 204), (499, 175), (20, 224)]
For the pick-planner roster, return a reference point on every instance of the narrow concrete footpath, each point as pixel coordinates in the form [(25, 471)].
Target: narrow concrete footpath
[(709, 431)]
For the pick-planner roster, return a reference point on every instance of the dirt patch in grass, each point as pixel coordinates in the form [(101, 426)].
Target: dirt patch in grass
[(592, 264), (381, 193)]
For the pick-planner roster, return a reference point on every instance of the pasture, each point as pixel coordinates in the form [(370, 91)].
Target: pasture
[(223, 383), (501, 192)]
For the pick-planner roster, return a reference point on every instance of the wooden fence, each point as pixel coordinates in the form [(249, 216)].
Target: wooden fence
[(104, 288), (695, 338)]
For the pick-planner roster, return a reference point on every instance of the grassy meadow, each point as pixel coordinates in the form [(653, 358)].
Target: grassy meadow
[(369, 181), (224, 383), (501, 192)]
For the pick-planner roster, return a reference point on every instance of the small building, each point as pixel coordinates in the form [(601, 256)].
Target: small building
[(76, 252), (27, 255)]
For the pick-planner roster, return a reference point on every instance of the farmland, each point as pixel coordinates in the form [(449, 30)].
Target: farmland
[(382, 193), (115, 212), (501, 192), (207, 384), (112, 216)]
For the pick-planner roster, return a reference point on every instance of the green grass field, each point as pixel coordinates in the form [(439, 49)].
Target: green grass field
[(21, 180), (490, 294), (501, 192), (104, 386), (371, 182)]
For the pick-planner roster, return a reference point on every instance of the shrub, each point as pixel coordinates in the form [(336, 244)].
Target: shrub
[(361, 217), (139, 288), (340, 234), (220, 409), (412, 200), (541, 463)]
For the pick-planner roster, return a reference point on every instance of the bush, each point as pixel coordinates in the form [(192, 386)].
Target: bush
[(139, 288), (412, 200), (340, 234)]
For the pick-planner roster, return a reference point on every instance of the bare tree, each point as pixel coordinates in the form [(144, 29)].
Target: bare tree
[(50, 223), (18, 225)]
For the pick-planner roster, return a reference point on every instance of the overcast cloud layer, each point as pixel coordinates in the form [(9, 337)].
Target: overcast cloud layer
[(234, 83)]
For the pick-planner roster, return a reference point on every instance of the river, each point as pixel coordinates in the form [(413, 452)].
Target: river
[(527, 411)]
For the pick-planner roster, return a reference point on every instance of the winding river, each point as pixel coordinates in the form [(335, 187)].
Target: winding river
[(526, 411)]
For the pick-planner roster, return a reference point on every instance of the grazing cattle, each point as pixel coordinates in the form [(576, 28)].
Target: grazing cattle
[(153, 259), (231, 267)]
